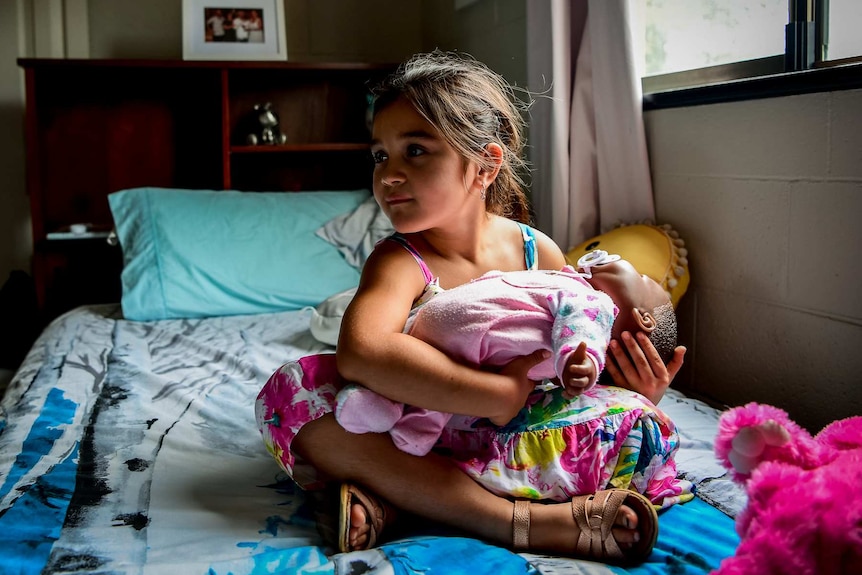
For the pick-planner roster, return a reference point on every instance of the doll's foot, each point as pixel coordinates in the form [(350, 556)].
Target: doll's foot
[(360, 410), (418, 430)]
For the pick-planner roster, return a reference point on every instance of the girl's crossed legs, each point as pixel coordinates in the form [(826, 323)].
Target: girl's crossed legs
[(434, 488)]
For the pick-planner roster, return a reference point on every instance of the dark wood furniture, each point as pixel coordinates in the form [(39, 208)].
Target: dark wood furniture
[(98, 126)]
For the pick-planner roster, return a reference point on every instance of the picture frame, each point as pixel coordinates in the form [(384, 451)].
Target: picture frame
[(234, 30)]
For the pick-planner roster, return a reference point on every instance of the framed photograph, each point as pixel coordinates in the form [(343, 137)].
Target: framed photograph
[(234, 30)]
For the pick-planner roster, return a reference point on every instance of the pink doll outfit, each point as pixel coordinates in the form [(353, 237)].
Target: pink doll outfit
[(489, 322), (554, 449)]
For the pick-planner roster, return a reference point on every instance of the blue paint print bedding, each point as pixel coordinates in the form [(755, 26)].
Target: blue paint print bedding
[(131, 447)]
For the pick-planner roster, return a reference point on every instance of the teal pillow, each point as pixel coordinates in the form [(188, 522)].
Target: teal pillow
[(201, 253)]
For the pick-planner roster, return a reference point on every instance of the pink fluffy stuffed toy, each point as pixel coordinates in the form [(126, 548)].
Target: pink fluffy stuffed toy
[(804, 512)]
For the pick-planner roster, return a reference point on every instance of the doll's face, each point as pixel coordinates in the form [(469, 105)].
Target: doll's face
[(630, 291)]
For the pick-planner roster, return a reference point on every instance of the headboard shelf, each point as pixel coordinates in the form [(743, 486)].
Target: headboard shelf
[(94, 127)]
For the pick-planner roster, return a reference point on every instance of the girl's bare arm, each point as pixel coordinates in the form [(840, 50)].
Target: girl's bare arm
[(548, 252), (373, 351)]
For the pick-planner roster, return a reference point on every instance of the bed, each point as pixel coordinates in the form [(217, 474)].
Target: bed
[(128, 442)]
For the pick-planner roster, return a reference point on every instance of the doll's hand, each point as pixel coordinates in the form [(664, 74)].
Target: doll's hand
[(518, 384), (579, 374), (639, 367)]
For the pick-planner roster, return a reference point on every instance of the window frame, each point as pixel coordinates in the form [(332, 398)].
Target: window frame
[(801, 69)]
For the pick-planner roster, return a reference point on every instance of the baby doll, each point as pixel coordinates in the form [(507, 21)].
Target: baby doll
[(500, 316)]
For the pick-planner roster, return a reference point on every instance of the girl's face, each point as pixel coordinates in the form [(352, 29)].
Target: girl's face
[(420, 181)]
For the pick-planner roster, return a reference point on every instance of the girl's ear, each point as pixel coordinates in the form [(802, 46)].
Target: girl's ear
[(490, 166), (493, 153), (644, 319)]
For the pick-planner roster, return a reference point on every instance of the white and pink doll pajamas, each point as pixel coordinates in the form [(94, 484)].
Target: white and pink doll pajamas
[(490, 322)]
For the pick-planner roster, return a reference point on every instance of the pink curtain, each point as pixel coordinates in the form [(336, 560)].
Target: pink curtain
[(588, 146)]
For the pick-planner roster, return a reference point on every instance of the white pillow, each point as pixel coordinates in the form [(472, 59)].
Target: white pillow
[(356, 233), (326, 317)]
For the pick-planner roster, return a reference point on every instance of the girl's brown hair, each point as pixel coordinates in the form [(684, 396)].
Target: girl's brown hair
[(471, 106)]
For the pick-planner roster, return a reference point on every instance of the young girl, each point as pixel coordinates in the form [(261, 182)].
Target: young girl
[(447, 143)]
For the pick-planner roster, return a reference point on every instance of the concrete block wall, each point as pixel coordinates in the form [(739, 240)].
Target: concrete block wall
[(768, 196)]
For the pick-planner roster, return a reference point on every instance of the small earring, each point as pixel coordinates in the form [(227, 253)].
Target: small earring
[(482, 194)]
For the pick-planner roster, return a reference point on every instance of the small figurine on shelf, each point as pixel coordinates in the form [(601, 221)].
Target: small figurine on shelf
[(264, 127)]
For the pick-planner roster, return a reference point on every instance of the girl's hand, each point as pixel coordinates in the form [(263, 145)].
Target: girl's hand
[(580, 373), (645, 372), (518, 385)]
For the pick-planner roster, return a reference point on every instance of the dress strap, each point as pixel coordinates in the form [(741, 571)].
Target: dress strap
[(405, 243), (530, 258)]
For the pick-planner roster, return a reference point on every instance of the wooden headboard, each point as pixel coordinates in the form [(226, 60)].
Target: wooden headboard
[(98, 126)]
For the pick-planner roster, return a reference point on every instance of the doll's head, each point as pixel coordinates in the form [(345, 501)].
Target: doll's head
[(643, 304)]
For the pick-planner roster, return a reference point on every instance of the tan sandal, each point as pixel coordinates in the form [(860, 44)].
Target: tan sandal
[(594, 515), (378, 514)]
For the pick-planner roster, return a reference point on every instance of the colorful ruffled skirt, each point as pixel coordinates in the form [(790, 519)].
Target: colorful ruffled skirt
[(553, 450)]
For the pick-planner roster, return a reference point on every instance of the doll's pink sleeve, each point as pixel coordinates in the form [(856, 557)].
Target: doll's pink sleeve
[(580, 316)]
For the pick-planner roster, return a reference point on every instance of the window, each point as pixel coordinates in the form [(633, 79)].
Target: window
[(689, 43), (845, 19), (690, 34)]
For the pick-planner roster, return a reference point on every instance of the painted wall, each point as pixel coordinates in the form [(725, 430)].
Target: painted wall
[(316, 30), (15, 243), (494, 31), (334, 30), (768, 196)]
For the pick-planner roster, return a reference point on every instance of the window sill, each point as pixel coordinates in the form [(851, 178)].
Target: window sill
[(826, 79)]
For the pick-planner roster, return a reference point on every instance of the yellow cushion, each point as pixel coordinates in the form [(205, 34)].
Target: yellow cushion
[(656, 251)]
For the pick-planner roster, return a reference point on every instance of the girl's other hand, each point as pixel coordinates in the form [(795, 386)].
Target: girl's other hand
[(518, 385), (639, 367)]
